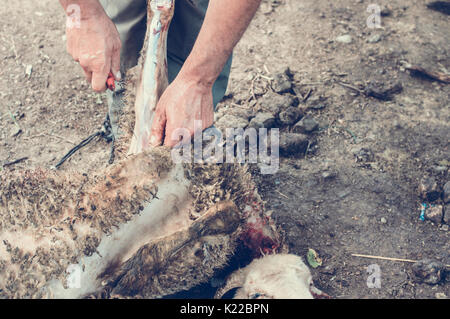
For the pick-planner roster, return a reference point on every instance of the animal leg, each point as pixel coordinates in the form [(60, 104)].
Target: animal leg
[(154, 77)]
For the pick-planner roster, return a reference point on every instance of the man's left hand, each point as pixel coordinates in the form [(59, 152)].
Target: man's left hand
[(182, 103)]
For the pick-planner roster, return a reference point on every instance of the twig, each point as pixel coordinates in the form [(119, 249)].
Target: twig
[(354, 88), (307, 148), (388, 258), (434, 75), (14, 119), (282, 194), (335, 127), (61, 138), (266, 77), (53, 135), (307, 95), (252, 87), (15, 162)]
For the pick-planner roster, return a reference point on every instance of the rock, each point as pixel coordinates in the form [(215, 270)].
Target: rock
[(383, 91), (29, 70), (305, 126), (446, 193), (261, 120), (328, 270), (428, 271), (383, 220), (231, 121), (440, 295), (386, 12), (328, 175), (240, 97), (428, 189), (439, 169), (275, 103), (16, 131), (446, 217), (363, 155), (345, 38), (290, 116), (374, 38), (281, 83), (317, 102), (293, 144), (435, 214)]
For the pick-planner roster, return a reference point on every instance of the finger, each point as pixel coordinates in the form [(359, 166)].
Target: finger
[(177, 136), (99, 78), (99, 82), (115, 65), (158, 127), (88, 75)]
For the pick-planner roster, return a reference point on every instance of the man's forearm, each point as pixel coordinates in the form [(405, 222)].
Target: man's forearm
[(224, 25), (89, 8)]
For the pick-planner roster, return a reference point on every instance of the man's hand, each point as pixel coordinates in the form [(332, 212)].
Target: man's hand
[(189, 97), (94, 42), (183, 102)]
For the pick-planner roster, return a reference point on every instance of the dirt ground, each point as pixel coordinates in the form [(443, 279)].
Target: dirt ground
[(355, 190)]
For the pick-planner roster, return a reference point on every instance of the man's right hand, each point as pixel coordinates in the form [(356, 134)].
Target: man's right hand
[(94, 42)]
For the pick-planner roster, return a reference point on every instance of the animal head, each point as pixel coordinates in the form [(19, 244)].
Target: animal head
[(280, 276)]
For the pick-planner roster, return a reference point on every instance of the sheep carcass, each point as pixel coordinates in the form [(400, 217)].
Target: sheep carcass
[(143, 227)]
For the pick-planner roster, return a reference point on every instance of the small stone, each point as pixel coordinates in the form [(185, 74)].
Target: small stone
[(383, 91), (290, 116), (329, 270), (345, 38), (231, 121), (327, 175), (440, 295), (281, 83), (29, 70), (440, 169), (363, 155), (275, 103), (385, 12), (306, 125), (263, 120), (16, 131), (317, 103), (293, 144), (240, 112), (266, 8), (435, 214), (428, 189), (374, 38), (446, 193), (428, 271), (383, 220), (446, 218)]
